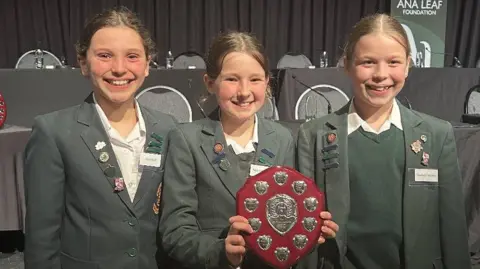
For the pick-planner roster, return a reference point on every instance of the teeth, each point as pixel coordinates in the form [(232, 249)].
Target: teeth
[(379, 88), (119, 82), (243, 104)]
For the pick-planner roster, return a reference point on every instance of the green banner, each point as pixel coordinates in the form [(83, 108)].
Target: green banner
[(425, 23)]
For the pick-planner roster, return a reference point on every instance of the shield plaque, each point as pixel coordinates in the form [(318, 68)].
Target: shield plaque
[(283, 207), (3, 111)]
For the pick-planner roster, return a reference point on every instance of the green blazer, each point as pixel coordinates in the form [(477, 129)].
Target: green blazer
[(435, 229), (75, 219), (199, 197)]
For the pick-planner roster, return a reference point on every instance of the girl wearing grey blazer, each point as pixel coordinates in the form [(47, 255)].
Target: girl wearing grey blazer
[(93, 171), (210, 159)]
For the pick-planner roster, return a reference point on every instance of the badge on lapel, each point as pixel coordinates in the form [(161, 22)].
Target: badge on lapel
[(155, 146), (416, 146), (330, 152), (156, 204), (220, 159), (119, 184), (425, 158), (100, 145)]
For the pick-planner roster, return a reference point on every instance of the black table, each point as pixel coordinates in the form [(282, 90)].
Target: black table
[(29, 93), (12, 199), (436, 91), (439, 92)]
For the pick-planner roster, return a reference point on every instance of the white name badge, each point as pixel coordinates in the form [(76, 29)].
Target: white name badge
[(150, 159), (426, 175), (255, 169)]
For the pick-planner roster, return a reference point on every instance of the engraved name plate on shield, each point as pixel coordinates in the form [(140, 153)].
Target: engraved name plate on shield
[(283, 207)]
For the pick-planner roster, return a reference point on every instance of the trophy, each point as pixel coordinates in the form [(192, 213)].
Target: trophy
[(3, 111), (283, 208)]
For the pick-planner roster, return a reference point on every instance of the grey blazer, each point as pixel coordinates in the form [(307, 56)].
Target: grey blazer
[(435, 229), (199, 197), (75, 219)]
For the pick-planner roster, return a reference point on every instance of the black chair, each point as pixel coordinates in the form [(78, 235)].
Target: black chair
[(27, 60), (471, 106), (294, 60), (167, 100), (189, 60)]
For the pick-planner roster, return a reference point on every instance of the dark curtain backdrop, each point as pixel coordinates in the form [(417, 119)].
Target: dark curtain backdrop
[(307, 26)]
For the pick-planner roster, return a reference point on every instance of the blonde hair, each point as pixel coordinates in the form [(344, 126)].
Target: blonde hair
[(377, 23)]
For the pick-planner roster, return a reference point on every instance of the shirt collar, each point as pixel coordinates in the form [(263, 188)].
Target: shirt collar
[(355, 121), (106, 123), (250, 145)]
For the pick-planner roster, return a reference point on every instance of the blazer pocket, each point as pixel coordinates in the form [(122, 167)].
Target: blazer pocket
[(438, 263), (70, 262)]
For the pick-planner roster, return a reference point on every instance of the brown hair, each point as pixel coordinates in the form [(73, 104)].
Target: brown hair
[(234, 41), (377, 23), (118, 16)]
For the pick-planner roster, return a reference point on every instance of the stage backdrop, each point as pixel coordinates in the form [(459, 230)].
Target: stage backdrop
[(308, 26), (425, 22)]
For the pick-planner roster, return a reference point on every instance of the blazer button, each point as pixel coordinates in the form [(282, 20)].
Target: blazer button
[(132, 252), (131, 223)]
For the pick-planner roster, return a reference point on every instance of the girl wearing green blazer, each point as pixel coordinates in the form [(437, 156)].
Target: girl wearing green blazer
[(390, 174), (210, 159)]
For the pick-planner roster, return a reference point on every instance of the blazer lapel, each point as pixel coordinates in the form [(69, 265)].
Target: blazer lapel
[(148, 172), (415, 200), (213, 135), (94, 135), (332, 157), (266, 153)]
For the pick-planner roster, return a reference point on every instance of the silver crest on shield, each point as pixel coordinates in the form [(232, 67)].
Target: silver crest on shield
[(309, 223), (251, 204), (280, 177), (264, 241), (299, 186), (310, 203), (261, 187), (255, 223), (282, 213), (282, 253), (300, 241)]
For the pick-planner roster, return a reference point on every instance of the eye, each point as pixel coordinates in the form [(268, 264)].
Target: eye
[(367, 62), (256, 80), (133, 56), (104, 55), (231, 79)]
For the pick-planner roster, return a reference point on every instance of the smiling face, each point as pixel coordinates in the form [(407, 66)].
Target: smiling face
[(116, 64), (378, 70), (240, 88)]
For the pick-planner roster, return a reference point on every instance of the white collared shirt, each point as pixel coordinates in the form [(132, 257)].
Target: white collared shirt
[(127, 150), (355, 121), (238, 149)]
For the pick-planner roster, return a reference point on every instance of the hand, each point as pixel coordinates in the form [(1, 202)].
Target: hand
[(329, 227), (234, 243)]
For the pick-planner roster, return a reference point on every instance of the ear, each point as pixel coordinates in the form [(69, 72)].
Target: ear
[(82, 62), (407, 66), (209, 83), (147, 68)]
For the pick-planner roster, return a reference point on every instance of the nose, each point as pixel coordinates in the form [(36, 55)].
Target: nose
[(381, 72), (118, 66), (244, 89)]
